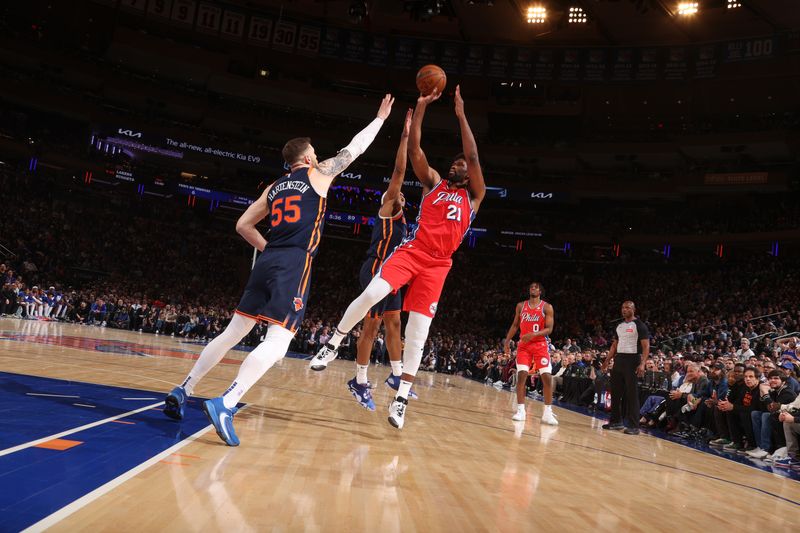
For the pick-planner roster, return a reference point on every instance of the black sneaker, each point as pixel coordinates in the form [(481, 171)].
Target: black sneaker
[(631, 431), (614, 425)]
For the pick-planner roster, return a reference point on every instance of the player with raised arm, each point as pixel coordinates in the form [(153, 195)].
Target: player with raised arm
[(387, 233), (424, 258), (278, 288), (534, 318)]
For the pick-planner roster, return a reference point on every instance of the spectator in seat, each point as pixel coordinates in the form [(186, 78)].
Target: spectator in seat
[(683, 403), (717, 389), (790, 418), (766, 426), (744, 351), (789, 370), (743, 400)]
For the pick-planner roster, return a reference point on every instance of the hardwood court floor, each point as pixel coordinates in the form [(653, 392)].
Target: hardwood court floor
[(311, 459)]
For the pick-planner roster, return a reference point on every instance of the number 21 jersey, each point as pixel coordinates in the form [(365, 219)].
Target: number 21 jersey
[(444, 218)]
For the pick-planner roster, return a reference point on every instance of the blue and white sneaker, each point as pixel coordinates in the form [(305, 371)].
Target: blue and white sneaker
[(175, 402), (394, 383), (222, 419), (362, 394), (785, 462)]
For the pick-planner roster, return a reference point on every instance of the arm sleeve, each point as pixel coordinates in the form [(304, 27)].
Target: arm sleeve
[(641, 327), (359, 144)]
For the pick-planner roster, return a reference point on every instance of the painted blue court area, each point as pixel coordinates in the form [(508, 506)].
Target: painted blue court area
[(126, 428)]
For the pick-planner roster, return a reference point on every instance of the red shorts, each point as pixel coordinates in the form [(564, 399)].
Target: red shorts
[(533, 356), (423, 273)]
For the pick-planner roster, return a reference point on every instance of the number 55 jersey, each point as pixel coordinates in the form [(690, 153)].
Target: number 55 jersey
[(279, 283)]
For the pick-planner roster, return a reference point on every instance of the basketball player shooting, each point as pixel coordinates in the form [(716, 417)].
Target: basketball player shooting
[(534, 318), (424, 258), (387, 233), (278, 288)]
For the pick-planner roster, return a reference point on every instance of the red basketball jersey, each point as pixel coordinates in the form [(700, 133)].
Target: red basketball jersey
[(444, 218), (531, 320)]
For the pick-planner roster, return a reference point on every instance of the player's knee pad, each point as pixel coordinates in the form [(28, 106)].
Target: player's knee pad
[(416, 335)]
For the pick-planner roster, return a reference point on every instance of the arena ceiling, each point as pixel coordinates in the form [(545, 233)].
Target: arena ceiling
[(608, 22)]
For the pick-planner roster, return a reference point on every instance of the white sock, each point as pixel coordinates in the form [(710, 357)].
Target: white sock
[(402, 390), (548, 409), (336, 338), (266, 354), (376, 291), (361, 374), (520, 407), (216, 350), (397, 368)]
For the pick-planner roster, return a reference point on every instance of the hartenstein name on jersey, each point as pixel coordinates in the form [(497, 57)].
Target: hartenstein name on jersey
[(288, 185), (443, 196)]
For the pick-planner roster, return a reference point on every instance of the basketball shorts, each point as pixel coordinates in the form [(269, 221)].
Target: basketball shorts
[(278, 288), (533, 356), (422, 272), (393, 302)]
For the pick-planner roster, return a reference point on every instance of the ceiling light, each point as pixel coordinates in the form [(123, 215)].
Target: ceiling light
[(536, 15), (577, 15), (687, 8)]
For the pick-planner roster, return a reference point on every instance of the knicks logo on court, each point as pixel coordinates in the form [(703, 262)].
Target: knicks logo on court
[(298, 303)]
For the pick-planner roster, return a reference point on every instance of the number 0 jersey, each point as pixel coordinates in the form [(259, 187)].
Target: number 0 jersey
[(444, 218), (532, 320), (297, 213)]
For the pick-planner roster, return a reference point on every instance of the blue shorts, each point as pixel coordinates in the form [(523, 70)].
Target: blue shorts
[(278, 288), (393, 303)]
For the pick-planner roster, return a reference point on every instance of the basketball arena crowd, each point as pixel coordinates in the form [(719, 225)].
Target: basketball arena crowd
[(724, 364)]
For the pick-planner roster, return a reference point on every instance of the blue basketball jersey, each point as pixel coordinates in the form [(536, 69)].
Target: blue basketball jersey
[(297, 213), (387, 233)]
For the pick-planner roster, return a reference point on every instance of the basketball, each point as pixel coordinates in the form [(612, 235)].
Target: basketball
[(430, 78)]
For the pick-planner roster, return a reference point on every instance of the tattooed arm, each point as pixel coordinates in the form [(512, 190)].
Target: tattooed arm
[(330, 168)]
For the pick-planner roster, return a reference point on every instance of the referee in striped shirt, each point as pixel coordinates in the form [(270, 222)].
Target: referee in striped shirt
[(630, 350)]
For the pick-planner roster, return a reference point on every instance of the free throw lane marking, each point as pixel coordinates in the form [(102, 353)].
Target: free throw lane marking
[(64, 512), (76, 430)]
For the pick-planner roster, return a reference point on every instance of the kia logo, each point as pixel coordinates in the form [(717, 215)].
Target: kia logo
[(541, 195), (130, 133)]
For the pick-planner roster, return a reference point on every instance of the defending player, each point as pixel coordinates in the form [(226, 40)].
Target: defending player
[(387, 233), (278, 287), (534, 318), (424, 258)]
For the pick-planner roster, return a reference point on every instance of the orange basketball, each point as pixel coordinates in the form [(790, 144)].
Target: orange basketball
[(430, 78)]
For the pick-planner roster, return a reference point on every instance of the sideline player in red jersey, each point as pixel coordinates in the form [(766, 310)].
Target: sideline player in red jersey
[(534, 320), (424, 258)]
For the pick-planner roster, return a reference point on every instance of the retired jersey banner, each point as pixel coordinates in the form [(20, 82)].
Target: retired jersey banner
[(475, 62), (378, 51), (403, 56), (331, 43), (427, 53), (355, 47), (677, 66)]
